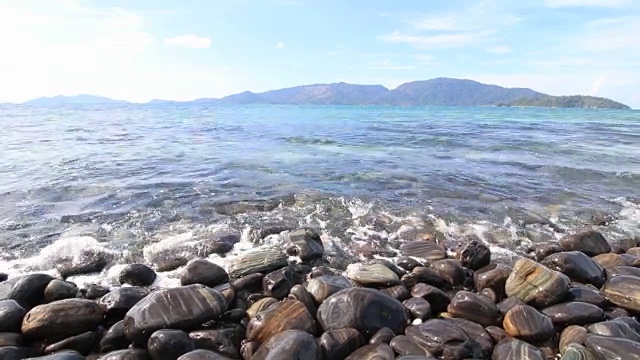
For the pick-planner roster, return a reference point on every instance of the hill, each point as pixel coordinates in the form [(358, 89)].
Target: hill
[(83, 99), (575, 101)]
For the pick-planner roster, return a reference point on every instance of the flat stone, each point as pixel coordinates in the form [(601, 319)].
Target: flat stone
[(200, 271), (443, 339), (574, 313), (61, 355), (526, 323), (371, 274), (470, 306), (11, 339), (577, 352), (338, 344), (536, 284), (89, 262), (612, 348), (373, 352), (577, 266), (83, 344), (589, 242), (282, 316), (289, 344), (225, 341), (480, 338), (623, 291), (614, 328), (18, 352), (437, 298), (573, 334), (622, 270), (62, 319), (258, 260), (586, 295), (398, 292), (405, 345), (512, 349), (418, 307), (324, 286), (119, 301), (128, 354), (202, 354), (423, 250), (610, 260)]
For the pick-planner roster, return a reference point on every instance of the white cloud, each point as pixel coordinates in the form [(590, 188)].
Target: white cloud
[(445, 40), (499, 49), (280, 45), (189, 41), (587, 3)]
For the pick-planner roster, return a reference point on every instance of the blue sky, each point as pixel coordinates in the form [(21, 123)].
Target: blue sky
[(140, 50)]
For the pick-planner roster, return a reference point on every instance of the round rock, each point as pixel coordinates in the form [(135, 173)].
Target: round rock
[(11, 315), (62, 319), (338, 344), (536, 284), (511, 349), (290, 344), (577, 266), (169, 344), (363, 309), (574, 313), (137, 275), (203, 272), (589, 242), (470, 306), (377, 351), (624, 291), (612, 348), (474, 255), (526, 323), (371, 274), (285, 315)]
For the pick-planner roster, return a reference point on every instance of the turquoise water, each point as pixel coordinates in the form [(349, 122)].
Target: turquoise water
[(131, 174)]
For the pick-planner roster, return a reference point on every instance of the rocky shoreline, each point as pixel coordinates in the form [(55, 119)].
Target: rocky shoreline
[(577, 299)]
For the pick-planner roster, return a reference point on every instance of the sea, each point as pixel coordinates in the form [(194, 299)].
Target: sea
[(141, 181)]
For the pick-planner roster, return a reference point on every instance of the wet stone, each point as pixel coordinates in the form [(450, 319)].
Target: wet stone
[(11, 315), (470, 306), (614, 328), (28, 290), (443, 338), (61, 355), (512, 349), (260, 305), (421, 274), (497, 333), (258, 260), (251, 283), (612, 348), (398, 292), (94, 291), (11, 339), (324, 286), (373, 352), (83, 344), (474, 255), (372, 274), (249, 348), (573, 334), (574, 313), (18, 352), (363, 309), (177, 308), (418, 307), (423, 250), (509, 303), (62, 319), (577, 352), (526, 323), (613, 313), (489, 294), (610, 260), (89, 262), (541, 252), (437, 298), (128, 354), (114, 338), (536, 284), (586, 295), (59, 290), (408, 263), (382, 336), (200, 271), (202, 354), (450, 271), (589, 242), (117, 302), (479, 337), (304, 243), (225, 341), (137, 275), (623, 291), (285, 315), (622, 270), (169, 344), (404, 345), (298, 292), (277, 284), (289, 344), (3, 277), (338, 344), (634, 251), (577, 266)]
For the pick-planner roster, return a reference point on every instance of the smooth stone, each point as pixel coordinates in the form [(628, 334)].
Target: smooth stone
[(18, 352), (577, 352), (541, 252), (169, 344), (474, 255), (260, 305), (202, 354), (201, 271), (90, 262), (225, 341), (415, 357), (114, 338), (62, 355), (338, 344), (610, 260), (450, 271), (620, 246), (574, 313), (497, 333), (28, 290), (277, 284), (137, 275), (608, 348), (623, 291), (536, 284), (258, 260), (398, 292), (573, 334), (577, 266), (407, 263), (444, 339), (615, 312), (526, 323), (83, 344), (382, 336), (289, 344), (363, 309), (614, 328), (285, 315), (509, 303), (404, 345), (94, 291), (631, 322), (176, 308), (418, 307), (549, 347), (423, 250), (251, 283), (11, 339), (62, 319), (589, 242), (373, 352), (371, 274), (421, 274), (634, 251), (128, 354), (59, 290), (586, 295), (476, 308), (119, 301), (512, 349), (437, 298), (479, 337), (324, 286), (303, 243), (493, 277), (11, 315), (489, 294), (622, 270), (3, 277), (298, 292)]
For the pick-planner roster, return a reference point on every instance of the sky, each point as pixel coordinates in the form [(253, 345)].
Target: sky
[(139, 50)]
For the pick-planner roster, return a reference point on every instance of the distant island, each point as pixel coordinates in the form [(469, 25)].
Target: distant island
[(434, 92)]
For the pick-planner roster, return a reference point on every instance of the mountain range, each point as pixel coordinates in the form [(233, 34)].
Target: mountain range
[(434, 92)]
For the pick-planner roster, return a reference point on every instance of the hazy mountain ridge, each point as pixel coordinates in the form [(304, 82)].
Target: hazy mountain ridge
[(73, 100), (434, 92)]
